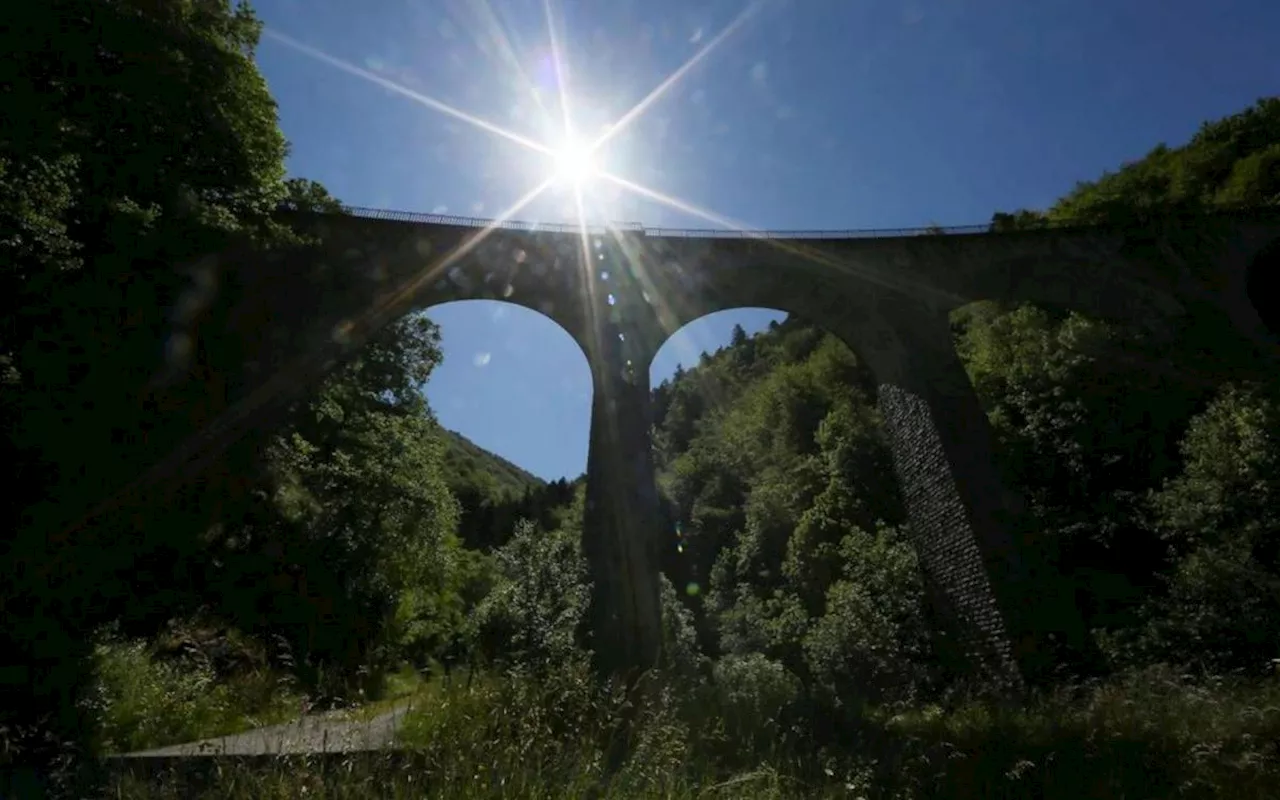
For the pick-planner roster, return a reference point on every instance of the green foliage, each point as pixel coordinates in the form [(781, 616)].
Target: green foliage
[(346, 548), (1219, 519), (682, 653), (525, 734), (756, 699), (1088, 416), (494, 493), (1023, 219), (532, 615), (470, 465), (1228, 487), (787, 468), (432, 619), (1228, 160), (1076, 403), (536, 735), (872, 642), (143, 701), (136, 136), (307, 195), (1141, 734), (773, 466)]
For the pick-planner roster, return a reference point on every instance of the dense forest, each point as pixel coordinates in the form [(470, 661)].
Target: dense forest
[(354, 541)]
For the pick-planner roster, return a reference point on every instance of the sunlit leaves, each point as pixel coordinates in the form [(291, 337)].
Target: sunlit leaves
[(541, 594), (786, 463)]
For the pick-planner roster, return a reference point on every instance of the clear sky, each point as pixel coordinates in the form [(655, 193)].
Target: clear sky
[(798, 114)]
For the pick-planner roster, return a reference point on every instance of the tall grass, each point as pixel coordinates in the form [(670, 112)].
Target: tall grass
[(1144, 734), (142, 702)]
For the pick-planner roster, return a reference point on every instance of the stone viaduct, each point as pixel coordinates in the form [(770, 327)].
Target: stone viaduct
[(621, 292)]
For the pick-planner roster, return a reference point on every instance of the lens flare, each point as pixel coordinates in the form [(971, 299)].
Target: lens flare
[(576, 163)]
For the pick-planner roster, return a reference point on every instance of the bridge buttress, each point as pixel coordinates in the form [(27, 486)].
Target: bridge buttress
[(984, 568)]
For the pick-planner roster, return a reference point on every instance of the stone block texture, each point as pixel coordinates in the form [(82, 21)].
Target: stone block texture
[(944, 537)]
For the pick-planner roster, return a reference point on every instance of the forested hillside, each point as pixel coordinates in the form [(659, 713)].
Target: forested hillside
[(351, 542), (790, 521), (469, 466), (1149, 471)]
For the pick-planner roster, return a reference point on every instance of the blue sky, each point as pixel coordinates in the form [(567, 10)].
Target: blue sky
[(806, 114)]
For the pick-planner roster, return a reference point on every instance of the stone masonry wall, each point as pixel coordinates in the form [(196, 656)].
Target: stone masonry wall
[(943, 536)]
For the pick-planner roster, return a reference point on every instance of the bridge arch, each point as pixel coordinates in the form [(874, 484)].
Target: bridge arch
[(522, 373), (1090, 270), (402, 266), (693, 542), (888, 299), (938, 437), (298, 311)]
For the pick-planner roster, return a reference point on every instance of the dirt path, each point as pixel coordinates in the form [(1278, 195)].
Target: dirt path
[(326, 733)]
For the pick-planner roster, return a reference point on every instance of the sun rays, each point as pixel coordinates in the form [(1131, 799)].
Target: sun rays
[(417, 97), (575, 162)]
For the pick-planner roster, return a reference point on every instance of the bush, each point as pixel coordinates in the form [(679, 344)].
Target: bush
[(142, 702), (682, 655), (872, 643), (1220, 518), (538, 600), (756, 700), (524, 733)]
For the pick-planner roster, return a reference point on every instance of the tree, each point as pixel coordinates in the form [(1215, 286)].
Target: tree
[(871, 643), (307, 195), (1088, 413), (1220, 519), (539, 599), (1224, 162), (359, 514), (135, 136)]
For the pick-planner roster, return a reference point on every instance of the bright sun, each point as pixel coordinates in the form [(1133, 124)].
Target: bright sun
[(575, 163)]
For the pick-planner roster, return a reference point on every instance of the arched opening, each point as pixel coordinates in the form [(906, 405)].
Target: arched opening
[(515, 383), (347, 545), (786, 536), (513, 391), (1263, 286)]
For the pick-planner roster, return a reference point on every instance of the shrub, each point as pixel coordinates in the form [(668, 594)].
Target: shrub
[(142, 702), (1148, 733), (538, 600), (756, 700)]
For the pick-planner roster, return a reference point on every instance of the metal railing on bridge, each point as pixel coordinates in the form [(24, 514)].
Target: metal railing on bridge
[(636, 227), (713, 233)]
